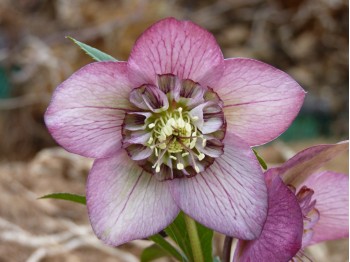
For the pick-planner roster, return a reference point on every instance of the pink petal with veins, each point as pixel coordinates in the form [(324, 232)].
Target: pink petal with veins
[(331, 192), (282, 233), (176, 47), (260, 101), (126, 203), (297, 169), (87, 110)]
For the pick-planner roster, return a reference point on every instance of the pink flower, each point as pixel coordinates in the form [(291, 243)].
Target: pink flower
[(306, 206), (171, 129)]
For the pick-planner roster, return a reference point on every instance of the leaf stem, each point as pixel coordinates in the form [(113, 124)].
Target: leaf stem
[(194, 239), (226, 253)]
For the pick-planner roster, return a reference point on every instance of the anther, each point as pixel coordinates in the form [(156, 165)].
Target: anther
[(162, 146), (193, 142), (173, 157), (167, 130), (151, 125), (180, 166), (162, 137), (201, 156)]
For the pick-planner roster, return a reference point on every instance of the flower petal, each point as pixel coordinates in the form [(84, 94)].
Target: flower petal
[(331, 192), (136, 120), (213, 147), (229, 196), (87, 110), (137, 137), (210, 117), (149, 97), (192, 94), (260, 101), (297, 169), (175, 47), (282, 234), (139, 152), (170, 84), (126, 203)]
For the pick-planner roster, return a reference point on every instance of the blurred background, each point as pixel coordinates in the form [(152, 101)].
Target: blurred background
[(306, 38)]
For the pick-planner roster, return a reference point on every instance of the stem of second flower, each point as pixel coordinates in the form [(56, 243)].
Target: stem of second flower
[(226, 253), (194, 239)]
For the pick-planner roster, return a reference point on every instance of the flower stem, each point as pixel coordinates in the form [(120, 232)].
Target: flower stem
[(194, 239), (226, 253)]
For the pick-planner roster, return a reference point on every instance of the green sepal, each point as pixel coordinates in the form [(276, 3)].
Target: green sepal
[(261, 161), (93, 52), (67, 196)]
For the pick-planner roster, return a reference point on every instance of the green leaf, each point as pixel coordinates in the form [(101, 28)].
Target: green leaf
[(178, 232), (261, 161), (93, 52), (67, 196), (167, 247), (153, 252)]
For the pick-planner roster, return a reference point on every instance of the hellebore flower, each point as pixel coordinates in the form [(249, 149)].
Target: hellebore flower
[(306, 206), (171, 130)]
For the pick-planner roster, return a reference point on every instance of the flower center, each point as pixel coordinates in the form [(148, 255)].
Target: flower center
[(177, 129), (174, 134)]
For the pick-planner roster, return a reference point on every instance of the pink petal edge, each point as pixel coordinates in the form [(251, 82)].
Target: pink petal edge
[(229, 196), (87, 110), (260, 101), (175, 47), (126, 203)]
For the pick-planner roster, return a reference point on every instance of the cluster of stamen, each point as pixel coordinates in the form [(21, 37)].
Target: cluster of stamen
[(175, 134), (310, 218)]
